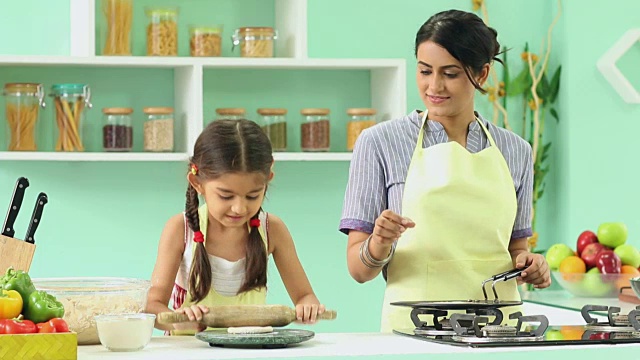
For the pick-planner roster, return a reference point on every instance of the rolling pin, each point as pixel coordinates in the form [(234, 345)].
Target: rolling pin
[(222, 316)]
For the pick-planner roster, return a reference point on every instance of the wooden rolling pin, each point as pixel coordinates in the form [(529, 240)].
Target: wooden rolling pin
[(222, 316)]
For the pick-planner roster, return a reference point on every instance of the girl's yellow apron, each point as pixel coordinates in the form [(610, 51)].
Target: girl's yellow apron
[(254, 297), (464, 206)]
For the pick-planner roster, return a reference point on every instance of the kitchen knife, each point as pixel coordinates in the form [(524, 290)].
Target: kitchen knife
[(16, 201), (35, 218), (243, 315)]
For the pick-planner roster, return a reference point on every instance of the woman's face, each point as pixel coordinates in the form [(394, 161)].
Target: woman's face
[(444, 87)]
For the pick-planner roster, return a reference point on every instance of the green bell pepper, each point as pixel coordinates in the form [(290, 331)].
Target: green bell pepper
[(42, 307), (19, 281)]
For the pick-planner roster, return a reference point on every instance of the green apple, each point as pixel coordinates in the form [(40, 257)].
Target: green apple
[(594, 285), (612, 234), (628, 254), (556, 254), (553, 335)]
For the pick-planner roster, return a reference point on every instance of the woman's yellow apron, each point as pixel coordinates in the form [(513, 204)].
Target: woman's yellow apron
[(464, 206)]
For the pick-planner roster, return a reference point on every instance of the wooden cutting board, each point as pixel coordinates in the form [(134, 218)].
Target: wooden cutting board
[(627, 295), (279, 338)]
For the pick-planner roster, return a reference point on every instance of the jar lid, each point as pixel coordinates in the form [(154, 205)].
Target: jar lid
[(314, 111), (68, 88), (267, 111), (207, 29), (361, 111), (230, 111), (158, 110), (21, 88), (163, 11), (117, 111), (264, 30)]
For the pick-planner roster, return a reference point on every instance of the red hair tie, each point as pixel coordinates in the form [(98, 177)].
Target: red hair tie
[(254, 222), (198, 237)]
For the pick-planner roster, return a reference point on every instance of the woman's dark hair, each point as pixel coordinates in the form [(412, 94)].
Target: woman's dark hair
[(465, 36), (223, 147)]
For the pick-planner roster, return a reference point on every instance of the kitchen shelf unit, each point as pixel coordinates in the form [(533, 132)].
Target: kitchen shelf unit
[(387, 80)]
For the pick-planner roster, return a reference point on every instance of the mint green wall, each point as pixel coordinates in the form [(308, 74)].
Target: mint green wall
[(86, 232)]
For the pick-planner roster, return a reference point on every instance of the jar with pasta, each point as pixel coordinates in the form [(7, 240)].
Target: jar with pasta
[(359, 119), (158, 129), (117, 130), (70, 102), (274, 124), (315, 130), (230, 113), (205, 40), (22, 109), (118, 16), (162, 31), (255, 41)]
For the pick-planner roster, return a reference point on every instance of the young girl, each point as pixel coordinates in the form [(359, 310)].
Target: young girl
[(217, 253)]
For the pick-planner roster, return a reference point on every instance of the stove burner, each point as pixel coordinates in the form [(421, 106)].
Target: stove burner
[(499, 331), (616, 322)]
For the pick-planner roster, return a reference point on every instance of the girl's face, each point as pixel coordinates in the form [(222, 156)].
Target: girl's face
[(232, 199), (442, 82)]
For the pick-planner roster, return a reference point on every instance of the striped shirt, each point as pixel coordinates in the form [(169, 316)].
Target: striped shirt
[(381, 158)]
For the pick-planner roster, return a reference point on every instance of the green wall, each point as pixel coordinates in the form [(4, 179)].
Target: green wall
[(104, 219)]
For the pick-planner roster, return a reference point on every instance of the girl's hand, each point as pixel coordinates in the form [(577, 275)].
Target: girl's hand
[(195, 314), (307, 313)]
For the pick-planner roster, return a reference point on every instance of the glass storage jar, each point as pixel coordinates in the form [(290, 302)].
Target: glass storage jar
[(230, 113), (162, 31), (255, 41), (315, 130), (118, 16), (274, 124), (70, 101), (205, 40), (158, 129), (117, 131), (22, 109), (359, 119)]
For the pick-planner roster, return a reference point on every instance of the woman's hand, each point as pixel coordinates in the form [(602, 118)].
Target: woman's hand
[(195, 314), (535, 269), (308, 313), (388, 228)]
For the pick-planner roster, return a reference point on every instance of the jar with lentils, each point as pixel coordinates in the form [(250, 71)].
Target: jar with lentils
[(158, 129), (230, 113), (315, 130), (359, 119), (117, 130), (274, 124)]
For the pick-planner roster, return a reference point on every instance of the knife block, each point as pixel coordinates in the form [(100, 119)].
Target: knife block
[(15, 253)]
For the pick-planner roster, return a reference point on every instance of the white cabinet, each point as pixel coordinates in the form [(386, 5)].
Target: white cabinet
[(387, 92)]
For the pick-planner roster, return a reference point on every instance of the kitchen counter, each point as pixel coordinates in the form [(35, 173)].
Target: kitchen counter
[(369, 346), (564, 300)]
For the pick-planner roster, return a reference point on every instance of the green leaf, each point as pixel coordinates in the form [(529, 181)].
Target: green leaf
[(540, 193), (521, 83), (553, 113), (555, 85), (543, 88)]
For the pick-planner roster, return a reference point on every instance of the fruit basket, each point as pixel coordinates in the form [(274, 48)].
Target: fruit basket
[(592, 284)]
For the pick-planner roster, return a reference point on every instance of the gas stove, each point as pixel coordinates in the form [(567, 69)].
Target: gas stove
[(484, 328), (479, 323)]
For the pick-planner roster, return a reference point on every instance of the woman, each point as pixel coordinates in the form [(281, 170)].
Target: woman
[(462, 185)]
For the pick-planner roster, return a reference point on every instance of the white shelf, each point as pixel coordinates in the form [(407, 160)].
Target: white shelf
[(311, 156), (91, 156), (167, 157), (206, 63)]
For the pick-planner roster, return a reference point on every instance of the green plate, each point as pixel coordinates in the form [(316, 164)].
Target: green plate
[(279, 338)]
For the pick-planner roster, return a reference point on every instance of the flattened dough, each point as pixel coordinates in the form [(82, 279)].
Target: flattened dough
[(250, 330)]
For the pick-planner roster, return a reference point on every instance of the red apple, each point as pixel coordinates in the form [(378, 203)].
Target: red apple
[(590, 254), (608, 262), (586, 238)]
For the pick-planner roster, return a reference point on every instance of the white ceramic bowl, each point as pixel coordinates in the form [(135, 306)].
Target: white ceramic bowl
[(125, 332)]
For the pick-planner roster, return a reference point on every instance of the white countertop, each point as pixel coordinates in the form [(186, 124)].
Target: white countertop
[(355, 345), (563, 299)]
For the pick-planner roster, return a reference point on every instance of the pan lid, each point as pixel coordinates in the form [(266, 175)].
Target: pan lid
[(457, 304)]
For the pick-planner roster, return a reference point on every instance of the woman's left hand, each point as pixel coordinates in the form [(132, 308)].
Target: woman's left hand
[(307, 313), (535, 269)]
